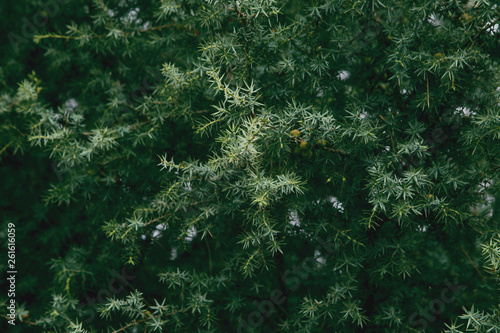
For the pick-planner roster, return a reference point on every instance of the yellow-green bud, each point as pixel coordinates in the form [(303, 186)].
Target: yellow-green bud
[(322, 142)]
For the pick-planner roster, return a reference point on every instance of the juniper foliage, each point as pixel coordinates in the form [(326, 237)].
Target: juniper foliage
[(256, 166)]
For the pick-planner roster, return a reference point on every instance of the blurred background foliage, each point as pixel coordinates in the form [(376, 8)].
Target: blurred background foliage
[(210, 147)]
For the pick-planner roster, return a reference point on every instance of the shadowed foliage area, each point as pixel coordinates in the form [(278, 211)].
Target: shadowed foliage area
[(250, 165)]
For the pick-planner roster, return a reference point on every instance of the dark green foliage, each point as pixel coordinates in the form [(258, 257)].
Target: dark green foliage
[(253, 166)]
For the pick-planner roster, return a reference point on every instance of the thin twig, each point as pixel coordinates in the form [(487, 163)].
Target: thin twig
[(428, 103), (472, 262)]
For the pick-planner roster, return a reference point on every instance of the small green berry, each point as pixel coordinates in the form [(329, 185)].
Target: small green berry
[(295, 133)]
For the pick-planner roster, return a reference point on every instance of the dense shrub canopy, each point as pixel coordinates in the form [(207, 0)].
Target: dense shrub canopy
[(252, 166)]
